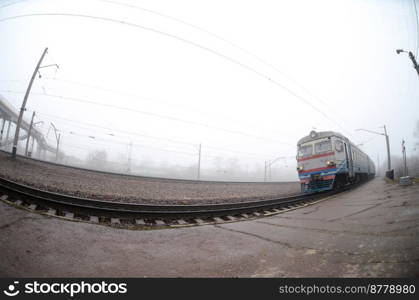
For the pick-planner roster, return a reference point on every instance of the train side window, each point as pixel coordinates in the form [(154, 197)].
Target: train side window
[(338, 145), (306, 150), (324, 146)]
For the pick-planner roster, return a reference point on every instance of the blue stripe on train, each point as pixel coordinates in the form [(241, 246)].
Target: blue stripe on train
[(325, 172), (339, 169)]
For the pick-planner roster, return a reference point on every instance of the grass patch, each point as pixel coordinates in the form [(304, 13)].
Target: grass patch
[(388, 180)]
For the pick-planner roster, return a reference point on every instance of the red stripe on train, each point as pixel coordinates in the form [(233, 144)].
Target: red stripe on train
[(318, 169), (315, 156)]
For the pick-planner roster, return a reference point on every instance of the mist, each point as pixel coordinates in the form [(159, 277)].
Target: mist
[(143, 85)]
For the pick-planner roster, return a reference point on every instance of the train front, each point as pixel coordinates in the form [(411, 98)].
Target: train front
[(316, 162)]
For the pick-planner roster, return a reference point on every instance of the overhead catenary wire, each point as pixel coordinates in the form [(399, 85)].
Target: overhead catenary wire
[(184, 40), (417, 27), (104, 142), (217, 115), (113, 106), (90, 125), (152, 137), (100, 141), (12, 3), (154, 101), (218, 37), (89, 150)]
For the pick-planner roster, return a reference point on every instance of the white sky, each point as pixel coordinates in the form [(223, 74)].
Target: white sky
[(211, 74)]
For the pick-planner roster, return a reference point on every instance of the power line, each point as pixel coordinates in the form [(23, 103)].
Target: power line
[(218, 37), (105, 142), (134, 144), (114, 129), (151, 114), (152, 100), (231, 44), (417, 27), (192, 43), (146, 136), (12, 3), (95, 139)]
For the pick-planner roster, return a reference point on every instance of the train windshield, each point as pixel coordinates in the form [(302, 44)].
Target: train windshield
[(305, 150), (324, 146)]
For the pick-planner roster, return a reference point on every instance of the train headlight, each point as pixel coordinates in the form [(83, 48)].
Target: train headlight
[(299, 168), (330, 163)]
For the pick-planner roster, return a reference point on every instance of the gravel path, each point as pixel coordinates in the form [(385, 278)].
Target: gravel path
[(132, 189)]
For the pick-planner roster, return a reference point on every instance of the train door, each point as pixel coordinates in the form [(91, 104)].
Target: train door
[(349, 161)]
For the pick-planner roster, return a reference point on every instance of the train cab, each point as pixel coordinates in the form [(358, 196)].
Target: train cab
[(321, 156)]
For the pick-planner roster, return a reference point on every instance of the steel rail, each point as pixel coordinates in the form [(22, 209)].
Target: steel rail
[(86, 206), (144, 177)]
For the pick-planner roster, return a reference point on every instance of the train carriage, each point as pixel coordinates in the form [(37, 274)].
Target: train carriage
[(328, 160)]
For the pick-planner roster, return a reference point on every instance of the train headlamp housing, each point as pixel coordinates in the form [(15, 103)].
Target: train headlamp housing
[(330, 163), (300, 168)]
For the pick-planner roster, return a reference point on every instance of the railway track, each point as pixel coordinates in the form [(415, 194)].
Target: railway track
[(145, 215)]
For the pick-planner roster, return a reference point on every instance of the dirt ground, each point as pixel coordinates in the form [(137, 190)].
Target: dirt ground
[(372, 231), (133, 189)]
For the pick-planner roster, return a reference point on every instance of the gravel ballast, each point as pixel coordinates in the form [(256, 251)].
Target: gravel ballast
[(134, 189)]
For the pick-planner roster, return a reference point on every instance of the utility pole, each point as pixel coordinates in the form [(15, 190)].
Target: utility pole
[(23, 107), (8, 130), (57, 137), (33, 141), (199, 162), (2, 128), (388, 149), (58, 146), (387, 144), (266, 166), (412, 58), (404, 158), (29, 134), (415, 64)]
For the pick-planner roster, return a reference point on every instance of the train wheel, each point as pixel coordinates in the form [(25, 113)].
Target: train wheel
[(337, 184)]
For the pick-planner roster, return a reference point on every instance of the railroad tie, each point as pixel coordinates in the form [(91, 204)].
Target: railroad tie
[(94, 219), (32, 206), (51, 212), (139, 222), (182, 222), (69, 215), (4, 197)]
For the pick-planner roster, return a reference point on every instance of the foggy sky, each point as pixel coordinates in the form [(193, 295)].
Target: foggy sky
[(224, 74)]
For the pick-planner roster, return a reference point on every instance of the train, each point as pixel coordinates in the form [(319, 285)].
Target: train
[(328, 160)]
